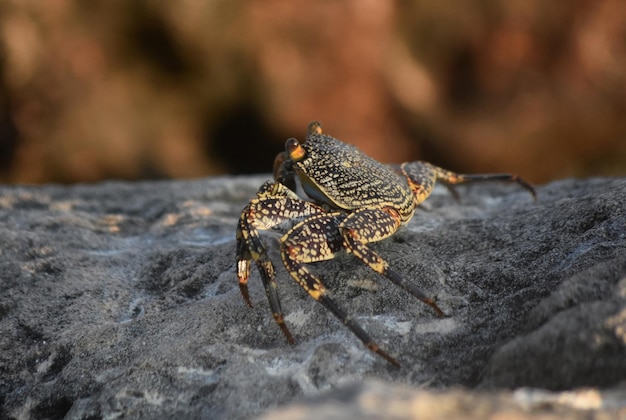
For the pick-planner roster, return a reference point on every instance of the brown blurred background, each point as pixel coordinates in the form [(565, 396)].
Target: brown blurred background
[(151, 89)]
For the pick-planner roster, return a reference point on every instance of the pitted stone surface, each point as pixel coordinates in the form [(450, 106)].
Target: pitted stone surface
[(121, 299)]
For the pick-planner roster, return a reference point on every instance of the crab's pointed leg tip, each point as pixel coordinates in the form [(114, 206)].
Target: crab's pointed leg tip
[(285, 331), (243, 288), (374, 348), (393, 362)]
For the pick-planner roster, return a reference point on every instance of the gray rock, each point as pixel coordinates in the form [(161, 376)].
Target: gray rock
[(121, 300)]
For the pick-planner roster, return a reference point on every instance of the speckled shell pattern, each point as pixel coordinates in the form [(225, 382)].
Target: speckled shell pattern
[(341, 176)]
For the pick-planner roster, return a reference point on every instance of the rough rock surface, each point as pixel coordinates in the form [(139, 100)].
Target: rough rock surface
[(121, 300)]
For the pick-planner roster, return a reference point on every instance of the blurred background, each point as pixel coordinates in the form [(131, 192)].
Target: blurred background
[(148, 89)]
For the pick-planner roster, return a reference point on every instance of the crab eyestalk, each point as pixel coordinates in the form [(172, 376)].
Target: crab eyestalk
[(315, 127), (293, 148)]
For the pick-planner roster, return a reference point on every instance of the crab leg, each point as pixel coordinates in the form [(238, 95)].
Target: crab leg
[(423, 175), (274, 204), (371, 225), (318, 239), (464, 178)]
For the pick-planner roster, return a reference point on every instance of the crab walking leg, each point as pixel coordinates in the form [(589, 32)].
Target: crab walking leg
[(464, 178), (371, 225), (273, 205), (318, 239), (423, 175), (262, 213)]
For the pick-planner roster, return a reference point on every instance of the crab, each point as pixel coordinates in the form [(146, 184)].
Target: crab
[(351, 200)]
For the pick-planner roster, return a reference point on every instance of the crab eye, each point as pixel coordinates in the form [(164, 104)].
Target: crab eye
[(294, 149), (315, 127)]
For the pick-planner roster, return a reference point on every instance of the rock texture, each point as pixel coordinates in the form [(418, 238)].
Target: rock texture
[(121, 300)]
